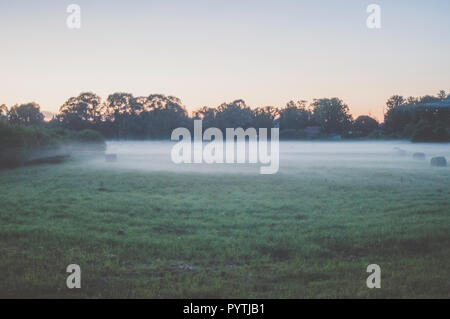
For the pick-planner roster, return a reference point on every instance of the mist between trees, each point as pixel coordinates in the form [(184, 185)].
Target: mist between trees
[(123, 116)]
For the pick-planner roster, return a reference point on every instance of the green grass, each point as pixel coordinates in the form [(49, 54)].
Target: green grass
[(299, 234)]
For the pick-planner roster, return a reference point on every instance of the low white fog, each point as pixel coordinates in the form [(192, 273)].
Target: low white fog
[(156, 156)]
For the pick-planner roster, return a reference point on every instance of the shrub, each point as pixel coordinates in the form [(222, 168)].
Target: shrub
[(19, 144), (426, 132), (441, 134), (364, 125), (90, 136), (90, 140)]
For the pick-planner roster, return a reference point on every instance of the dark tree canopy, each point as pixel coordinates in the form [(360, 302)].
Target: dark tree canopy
[(332, 115), (124, 116), (442, 95), (121, 103), (234, 114), (264, 117), (26, 114), (394, 101), (295, 116), (425, 118), (364, 125), (82, 111)]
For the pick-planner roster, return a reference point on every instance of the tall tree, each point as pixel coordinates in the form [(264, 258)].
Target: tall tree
[(332, 115), (364, 125), (27, 114), (121, 103), (82, 111), (162, 114), (207, 115), (295, 115), (264, 117), (160, 101), (394, 101), (234, 114), (442, 95)]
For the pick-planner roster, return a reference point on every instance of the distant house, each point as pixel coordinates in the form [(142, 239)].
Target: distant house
[(312, 130), (442, 103)]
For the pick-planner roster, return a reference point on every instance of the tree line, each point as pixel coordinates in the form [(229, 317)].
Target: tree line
[(420, 119), (124, 116)]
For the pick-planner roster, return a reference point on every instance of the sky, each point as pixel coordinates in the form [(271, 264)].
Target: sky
[(215, 51)]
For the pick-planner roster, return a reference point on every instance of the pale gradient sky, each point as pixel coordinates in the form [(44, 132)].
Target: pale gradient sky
[(209, 52)]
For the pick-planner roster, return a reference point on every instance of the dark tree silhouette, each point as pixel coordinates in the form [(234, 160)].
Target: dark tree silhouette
[(332, 115), (81, 112), (394, 101), (422, 119), (26, 114), (264, 117), (294, 116), (234, 114), (364, 125), (124, 116), (207, 114), (121, 103)]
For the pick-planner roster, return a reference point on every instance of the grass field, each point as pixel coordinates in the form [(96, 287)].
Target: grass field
[(307, 232)]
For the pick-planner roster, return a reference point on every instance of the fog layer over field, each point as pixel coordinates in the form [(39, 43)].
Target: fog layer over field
[(294, 156)]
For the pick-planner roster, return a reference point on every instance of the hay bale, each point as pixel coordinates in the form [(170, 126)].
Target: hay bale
[(419, 156), (439, 161), (111, 158), (398, 151)]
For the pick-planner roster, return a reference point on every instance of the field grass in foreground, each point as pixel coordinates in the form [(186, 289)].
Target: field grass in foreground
[(298, 234)]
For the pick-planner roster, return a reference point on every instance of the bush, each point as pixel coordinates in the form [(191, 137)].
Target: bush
[(441, 134), (426, 132), (364, 125), (19, 144), (90, 136), (90, 140)]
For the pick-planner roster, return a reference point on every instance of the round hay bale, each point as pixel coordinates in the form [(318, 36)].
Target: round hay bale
[(419, 156), (111, 158), (438, 161)]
